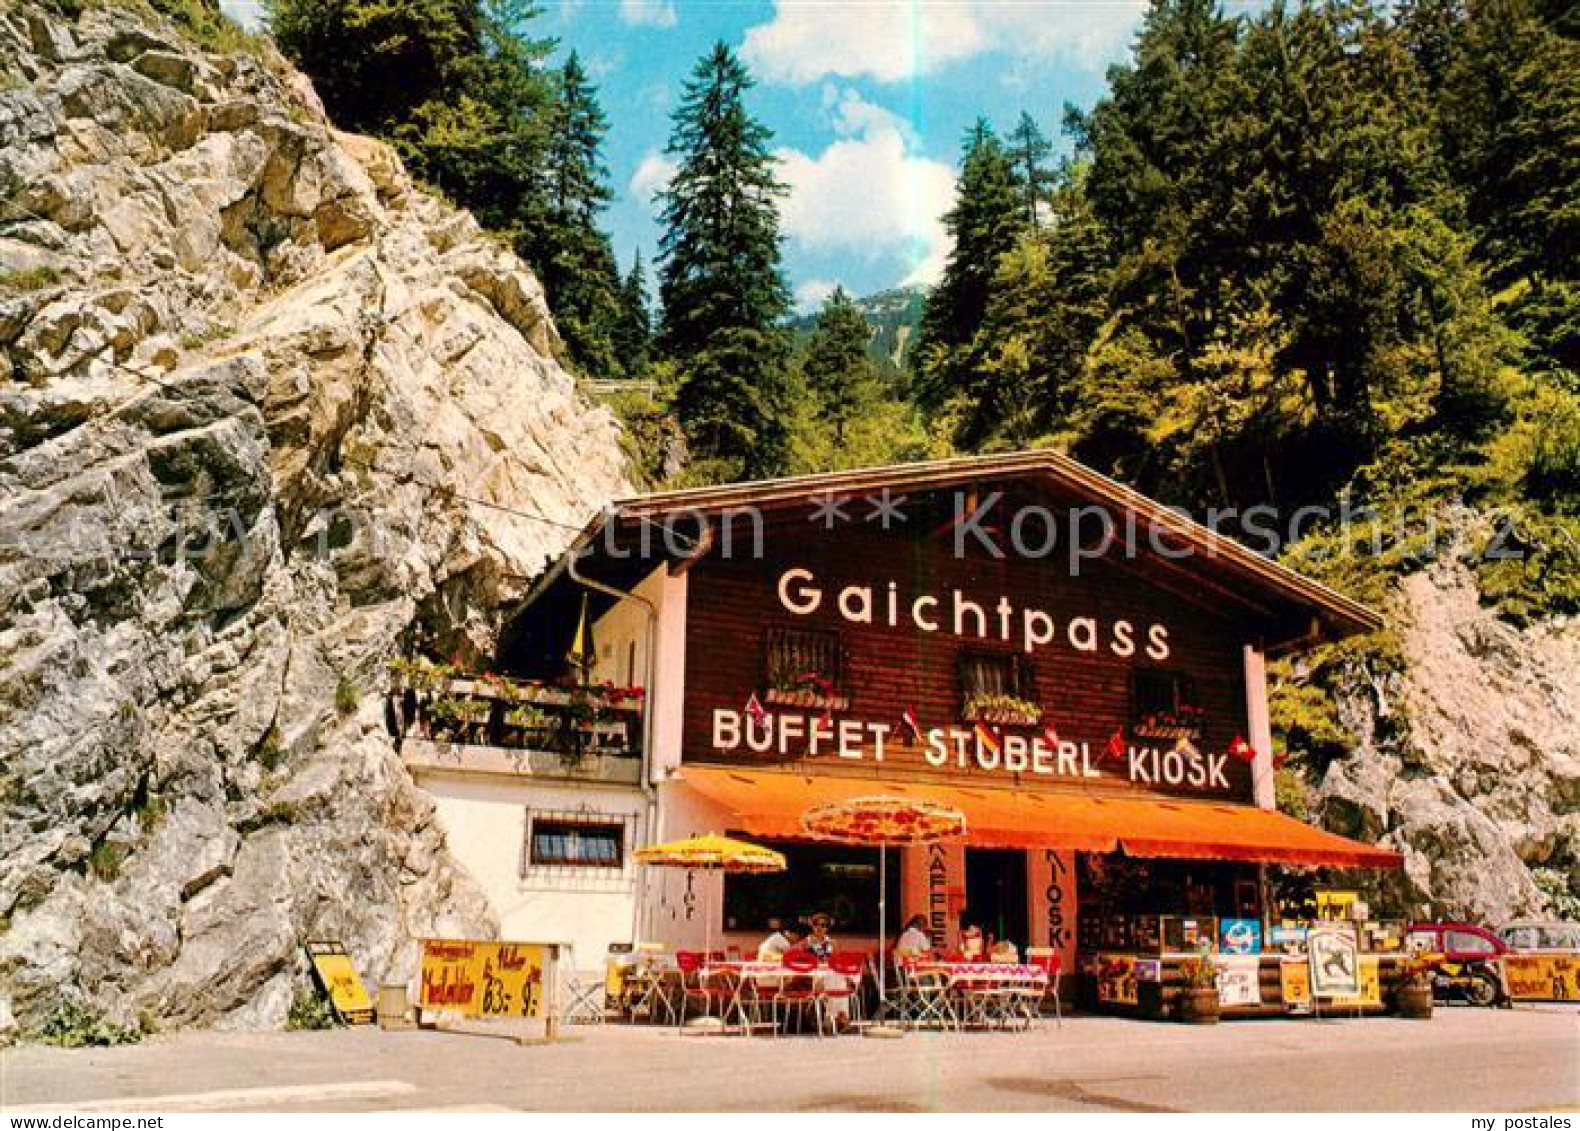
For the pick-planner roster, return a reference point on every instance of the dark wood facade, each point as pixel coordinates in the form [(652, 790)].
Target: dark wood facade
[(735, 616)]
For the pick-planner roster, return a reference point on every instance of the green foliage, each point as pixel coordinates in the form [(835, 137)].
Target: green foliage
[(271, 748), (1563, 894), (633, 329), (720, 285), (1528, 564), (346, 695), (31, 279), (835, 366), (572, 255), (105, 860), (310, 1010), (74, 1026), (986, 221)]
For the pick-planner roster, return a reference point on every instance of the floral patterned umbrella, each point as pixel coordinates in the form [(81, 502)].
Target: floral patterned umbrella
[(883, 820)]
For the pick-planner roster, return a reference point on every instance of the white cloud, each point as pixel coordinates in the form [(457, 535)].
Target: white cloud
[(868, 193), (812, 294), (893, 40), (648, 13), (248, 13), (652, 175)]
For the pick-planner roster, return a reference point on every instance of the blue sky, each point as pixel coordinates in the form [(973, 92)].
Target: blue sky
[(867, 99)]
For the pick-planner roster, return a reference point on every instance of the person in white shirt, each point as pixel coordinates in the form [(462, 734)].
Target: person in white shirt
[(786, 938), (914, 941)]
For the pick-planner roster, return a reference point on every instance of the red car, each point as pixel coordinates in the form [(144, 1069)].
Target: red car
[(1472, 966)]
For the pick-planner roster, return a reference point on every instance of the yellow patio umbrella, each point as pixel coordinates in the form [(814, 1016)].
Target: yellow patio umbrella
[(722, 853), (711, 852)]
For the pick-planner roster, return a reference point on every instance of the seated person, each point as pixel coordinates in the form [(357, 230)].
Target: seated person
[(914, 941), (1004, 951), (819, 942), (972, 947), (786, 938)]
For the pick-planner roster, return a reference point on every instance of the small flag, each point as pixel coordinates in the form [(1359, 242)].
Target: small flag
[(1116, 746), (1242, 749), (1050, 735), (754, 709), (580, 656), (986, 738), (908, 721)]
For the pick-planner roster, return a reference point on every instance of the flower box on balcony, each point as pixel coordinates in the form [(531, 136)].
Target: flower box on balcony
[(1186, 723), (806, 697), (1006, 718), (1002, 710)]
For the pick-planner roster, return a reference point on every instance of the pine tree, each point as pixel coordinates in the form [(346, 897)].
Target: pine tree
[(835, 367), (567, 247), (720, 285), (634, 331), (987, 218), (1029, 150)]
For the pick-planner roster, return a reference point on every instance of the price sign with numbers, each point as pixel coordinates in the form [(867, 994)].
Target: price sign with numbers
[(483, 979)]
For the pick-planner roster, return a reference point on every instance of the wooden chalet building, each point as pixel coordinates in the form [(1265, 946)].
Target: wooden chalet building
[(920, 630)]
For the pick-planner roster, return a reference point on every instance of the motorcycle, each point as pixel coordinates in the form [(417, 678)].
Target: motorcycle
[(1474, 982)]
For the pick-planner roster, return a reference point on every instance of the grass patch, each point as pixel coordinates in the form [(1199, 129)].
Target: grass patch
[(74, 1026), (346, 695), (196, 340), (274, 813), (210, 28), (32, 279), (104, 862)]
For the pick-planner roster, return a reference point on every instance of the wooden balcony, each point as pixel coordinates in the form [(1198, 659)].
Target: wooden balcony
[(502, 727)]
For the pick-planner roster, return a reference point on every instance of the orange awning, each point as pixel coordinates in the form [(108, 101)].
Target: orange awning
[(769, 803)]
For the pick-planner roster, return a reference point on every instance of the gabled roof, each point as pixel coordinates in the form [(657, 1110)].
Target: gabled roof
[(1214, 557)]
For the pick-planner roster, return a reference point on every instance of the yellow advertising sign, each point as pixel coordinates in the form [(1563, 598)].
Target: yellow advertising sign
[(1543, 977), (1371, 988), (1334, 904), (1294, 975), (337, 977), (482, 979), (1116, 978)]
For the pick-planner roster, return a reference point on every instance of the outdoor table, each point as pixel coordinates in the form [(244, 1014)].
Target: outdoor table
[(763, 975), (989, 992)]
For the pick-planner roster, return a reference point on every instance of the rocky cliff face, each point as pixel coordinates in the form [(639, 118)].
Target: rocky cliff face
[(258, 392), (1469, 761)]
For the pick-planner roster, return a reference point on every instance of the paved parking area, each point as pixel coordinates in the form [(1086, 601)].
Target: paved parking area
[(1464, 1059)]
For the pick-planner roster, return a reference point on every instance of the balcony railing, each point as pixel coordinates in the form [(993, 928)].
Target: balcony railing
[(591, 730)]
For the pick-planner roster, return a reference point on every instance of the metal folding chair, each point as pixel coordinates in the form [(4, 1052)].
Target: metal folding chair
[(930, 996), (1051, 962)]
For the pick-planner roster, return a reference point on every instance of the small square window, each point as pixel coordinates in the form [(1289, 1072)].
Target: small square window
[(576, 844), (803, 662), (998, 687)]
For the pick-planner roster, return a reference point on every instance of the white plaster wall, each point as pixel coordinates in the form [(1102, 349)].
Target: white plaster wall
[(621, 627), (485, 823)]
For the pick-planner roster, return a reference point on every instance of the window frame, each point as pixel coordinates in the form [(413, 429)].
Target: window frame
[(783, 643), (1020, 674), (621, 825)]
